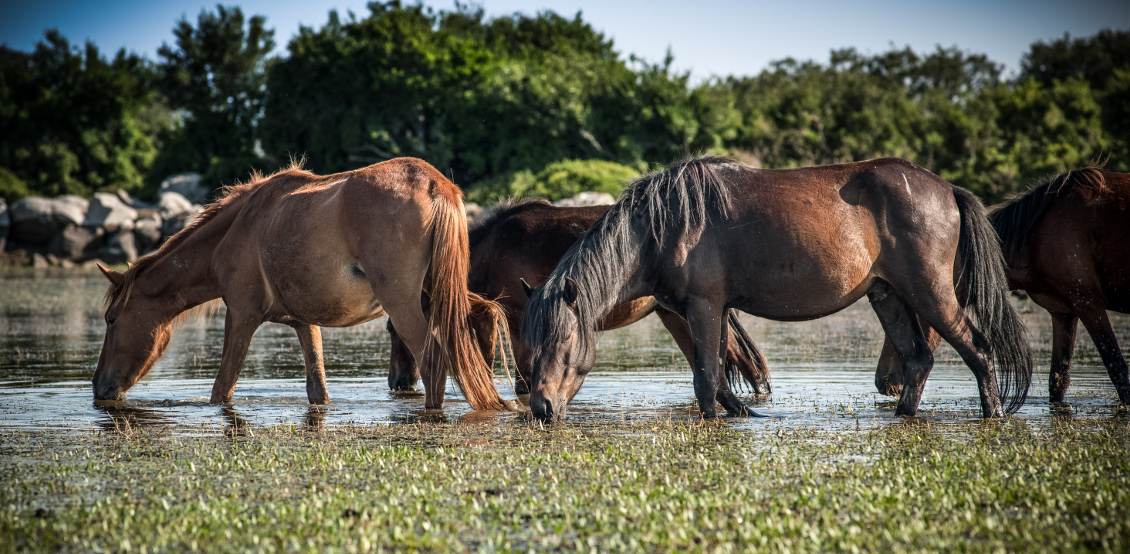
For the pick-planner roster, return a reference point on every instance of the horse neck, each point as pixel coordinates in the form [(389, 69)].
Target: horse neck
[(180, 274), (610, 273)]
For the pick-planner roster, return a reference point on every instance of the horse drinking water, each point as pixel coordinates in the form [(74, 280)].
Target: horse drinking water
[(310, 251), (522, 242), (708, 235)]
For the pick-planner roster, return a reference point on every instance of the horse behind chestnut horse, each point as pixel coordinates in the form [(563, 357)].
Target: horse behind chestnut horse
[(522, 242), (310, 252), (708, 235), (1067, 244)]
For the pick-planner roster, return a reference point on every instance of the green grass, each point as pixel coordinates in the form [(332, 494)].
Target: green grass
[(664, 486)]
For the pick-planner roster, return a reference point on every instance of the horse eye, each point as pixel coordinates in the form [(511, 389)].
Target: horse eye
[(109, 321)]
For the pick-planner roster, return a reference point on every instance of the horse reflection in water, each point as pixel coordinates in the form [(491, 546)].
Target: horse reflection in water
[(708, 235), (310, 251), (1067, 244), (521, 243)]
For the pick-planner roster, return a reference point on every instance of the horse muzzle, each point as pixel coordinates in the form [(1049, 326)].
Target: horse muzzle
[(106, 390), (546, 409)]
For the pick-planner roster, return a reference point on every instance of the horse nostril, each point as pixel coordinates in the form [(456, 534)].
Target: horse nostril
[(542, 408)]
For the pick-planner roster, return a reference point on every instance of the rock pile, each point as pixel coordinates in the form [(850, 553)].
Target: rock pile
[(116, 228), (111, 228)]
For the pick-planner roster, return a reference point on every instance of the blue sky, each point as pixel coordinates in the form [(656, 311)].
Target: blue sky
[(708, 37)]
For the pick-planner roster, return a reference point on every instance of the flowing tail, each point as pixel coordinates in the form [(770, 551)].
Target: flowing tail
[(450, 310), (984, 283), (749, 362)]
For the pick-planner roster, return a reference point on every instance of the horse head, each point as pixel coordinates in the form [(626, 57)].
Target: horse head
[(563, 347), (137, 333)]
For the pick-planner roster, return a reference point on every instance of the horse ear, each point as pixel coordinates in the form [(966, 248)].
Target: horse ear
[(526, 287), (114, 277), (570, 292)]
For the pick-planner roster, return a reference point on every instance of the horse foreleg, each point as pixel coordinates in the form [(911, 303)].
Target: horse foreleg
[(681, 332), (403, 372), (1098, 325), (522, 360), (1063, 349), (705, 322), (310, 337), (238, 331)]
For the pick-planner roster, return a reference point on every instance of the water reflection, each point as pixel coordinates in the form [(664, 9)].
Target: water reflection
[(51, 333), (122, 418)]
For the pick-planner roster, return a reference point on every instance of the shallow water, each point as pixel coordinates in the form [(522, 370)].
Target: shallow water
[(51, 332)]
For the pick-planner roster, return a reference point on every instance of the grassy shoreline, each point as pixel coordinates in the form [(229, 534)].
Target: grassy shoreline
[(659, 486)]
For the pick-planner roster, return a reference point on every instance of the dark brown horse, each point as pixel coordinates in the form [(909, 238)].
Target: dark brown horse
[(522, 243), (708, 235), (310, 252), (1067, 244)]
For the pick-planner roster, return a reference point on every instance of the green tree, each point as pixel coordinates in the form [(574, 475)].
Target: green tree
[(216, 76), (75, 122)]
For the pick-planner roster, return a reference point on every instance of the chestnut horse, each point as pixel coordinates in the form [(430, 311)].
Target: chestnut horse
[(521, 242), (310, 251), (707, 235), (1067, 244)]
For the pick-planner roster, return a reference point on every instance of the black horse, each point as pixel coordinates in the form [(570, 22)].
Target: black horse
[(708, 235)]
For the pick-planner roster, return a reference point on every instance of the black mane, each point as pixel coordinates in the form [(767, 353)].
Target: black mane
[(1014, 219), (653, 212)]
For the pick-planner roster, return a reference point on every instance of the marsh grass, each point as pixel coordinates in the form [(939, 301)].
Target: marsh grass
[(667, 485)]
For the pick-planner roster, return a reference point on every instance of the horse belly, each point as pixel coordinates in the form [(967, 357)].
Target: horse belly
[(796, 273)]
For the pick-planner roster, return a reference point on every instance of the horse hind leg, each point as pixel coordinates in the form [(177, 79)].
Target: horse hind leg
[(310, 337), (942, 312), (412, 327), (888, 372), (907, 342), (1063, 349)]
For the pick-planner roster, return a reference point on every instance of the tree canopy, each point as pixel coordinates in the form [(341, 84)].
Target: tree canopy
[(519, 101)]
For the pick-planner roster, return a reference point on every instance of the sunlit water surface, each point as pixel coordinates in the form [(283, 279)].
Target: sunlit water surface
[(51, 331)]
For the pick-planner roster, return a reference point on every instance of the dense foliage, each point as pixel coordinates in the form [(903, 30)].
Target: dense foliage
[(496, 101)]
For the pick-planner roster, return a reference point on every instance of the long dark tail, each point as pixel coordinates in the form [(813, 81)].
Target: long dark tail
[(751, 364), (985, 285)]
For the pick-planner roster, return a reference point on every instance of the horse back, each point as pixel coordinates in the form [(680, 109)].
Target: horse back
[(524, 241), (1080, 241)]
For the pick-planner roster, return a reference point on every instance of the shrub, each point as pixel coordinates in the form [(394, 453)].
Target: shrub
[(555, 181), (11, 187)]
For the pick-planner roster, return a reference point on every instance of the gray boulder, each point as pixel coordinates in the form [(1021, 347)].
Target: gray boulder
[(472, 211), (187, 185), (133, 202), (587, 199), (76, 242), (119, 248), (108, 211), (147, 233), (173, 204), (36, 220), (173, 225)]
